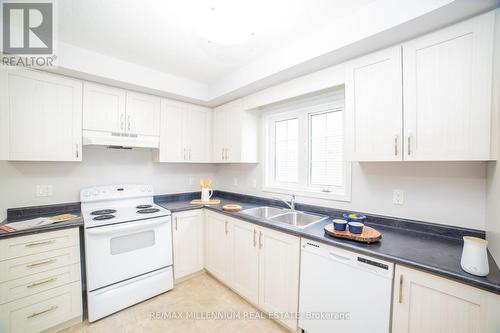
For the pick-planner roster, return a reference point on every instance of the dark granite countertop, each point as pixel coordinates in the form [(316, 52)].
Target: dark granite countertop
[(26, 213), (435, 249)]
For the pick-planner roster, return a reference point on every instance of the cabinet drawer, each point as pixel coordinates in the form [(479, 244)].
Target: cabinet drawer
[(36, 283), (42, 311), (37, 263), (26, 245)]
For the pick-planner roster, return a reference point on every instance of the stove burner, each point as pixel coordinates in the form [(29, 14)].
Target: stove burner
[(103, 217), (143, 206), (148, 211), (103, 212)]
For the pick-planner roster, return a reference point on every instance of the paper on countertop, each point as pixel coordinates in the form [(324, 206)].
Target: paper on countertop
[(36, 222)]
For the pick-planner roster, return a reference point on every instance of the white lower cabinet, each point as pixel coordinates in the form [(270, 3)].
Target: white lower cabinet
[(246, 260), (40, 282), (188, 242), (263, 264), (279, 274), (218, 239), (425, 303)]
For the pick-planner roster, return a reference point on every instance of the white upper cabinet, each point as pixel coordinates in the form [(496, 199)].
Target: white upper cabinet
[(447, 92), (235, 132), (374, 107), (117, 117), (432, 102), (103, 108), (143, 114), (197, 135), (40, 117), (185, 134)]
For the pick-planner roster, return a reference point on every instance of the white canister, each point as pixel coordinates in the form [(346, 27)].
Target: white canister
[(475, 256), (206, 194)]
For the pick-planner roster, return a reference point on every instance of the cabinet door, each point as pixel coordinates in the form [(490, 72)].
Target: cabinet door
[(197, 135), (427, 303), (374, 107), (103, 108), (220, 133), (41, 116), (447, 92), (172, 147), (143, 114), (218, 246), (188, 242), (279, 273), (246, 260)]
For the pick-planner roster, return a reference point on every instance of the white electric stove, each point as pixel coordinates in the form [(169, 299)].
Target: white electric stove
[(128, 247)]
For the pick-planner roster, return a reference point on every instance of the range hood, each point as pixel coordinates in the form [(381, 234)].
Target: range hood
[(119, 140)]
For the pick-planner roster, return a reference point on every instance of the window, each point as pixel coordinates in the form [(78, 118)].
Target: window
[(286, 147), (305, 150)]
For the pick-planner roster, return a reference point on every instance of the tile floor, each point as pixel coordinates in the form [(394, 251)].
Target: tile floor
[(201, 294)]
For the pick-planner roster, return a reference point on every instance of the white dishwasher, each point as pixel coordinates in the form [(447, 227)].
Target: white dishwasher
[(342, 291)]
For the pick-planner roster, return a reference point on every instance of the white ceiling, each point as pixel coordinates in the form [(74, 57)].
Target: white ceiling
[(167, 35)]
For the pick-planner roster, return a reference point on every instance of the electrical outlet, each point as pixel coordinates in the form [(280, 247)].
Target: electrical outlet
[(398, 197), (44, 190), (235, 181)]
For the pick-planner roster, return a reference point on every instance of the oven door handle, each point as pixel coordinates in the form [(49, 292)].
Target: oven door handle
[(123, 227)]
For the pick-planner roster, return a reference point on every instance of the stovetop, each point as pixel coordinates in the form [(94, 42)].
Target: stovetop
[(113, 204)]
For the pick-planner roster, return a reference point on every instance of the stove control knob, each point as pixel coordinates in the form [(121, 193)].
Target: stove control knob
[(95, 192), (86, 194)]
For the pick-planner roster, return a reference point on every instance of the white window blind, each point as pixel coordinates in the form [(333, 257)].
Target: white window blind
[(286, 150), (305, 148), (326, 149)]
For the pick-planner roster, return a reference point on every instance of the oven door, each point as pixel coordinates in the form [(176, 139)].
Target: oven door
[(125, 250)]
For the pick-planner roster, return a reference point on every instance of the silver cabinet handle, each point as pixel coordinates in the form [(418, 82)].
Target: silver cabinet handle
[(254, 238), (190, 154), (409, 144), (122, 122), (222, 156), (396, 137), (226, 154), (225, 227), (128, 122), (52, 308), (176, 223), (260, 239), (184, 155), (401, 280), (77, 150), (36, 284), (40, 243), (41, 263)]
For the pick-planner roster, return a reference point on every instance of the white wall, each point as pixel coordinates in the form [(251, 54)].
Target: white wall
[(100, 166), (440, 192)]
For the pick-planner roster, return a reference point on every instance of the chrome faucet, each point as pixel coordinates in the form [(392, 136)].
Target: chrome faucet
[(291, 204)]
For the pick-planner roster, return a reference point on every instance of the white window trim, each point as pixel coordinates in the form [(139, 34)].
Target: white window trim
[(282, 188)]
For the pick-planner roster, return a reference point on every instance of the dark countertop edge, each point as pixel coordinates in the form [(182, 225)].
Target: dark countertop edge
[(490, 287), (77, 222)]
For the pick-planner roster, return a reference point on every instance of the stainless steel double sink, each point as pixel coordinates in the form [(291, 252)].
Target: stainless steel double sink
[(291, 217)]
